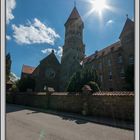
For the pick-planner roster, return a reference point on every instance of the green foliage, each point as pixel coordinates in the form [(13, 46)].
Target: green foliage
[(14, 88), (81, 78), (8, 66), (129, 77), (94, 86), (26, 83)]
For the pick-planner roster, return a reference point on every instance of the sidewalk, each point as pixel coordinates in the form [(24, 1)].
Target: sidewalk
[(74, 116)]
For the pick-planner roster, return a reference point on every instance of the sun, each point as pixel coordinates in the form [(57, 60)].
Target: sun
[(99, 8), (99, 5)]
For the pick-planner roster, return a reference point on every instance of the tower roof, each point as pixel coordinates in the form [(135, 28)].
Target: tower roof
[(74, 15)]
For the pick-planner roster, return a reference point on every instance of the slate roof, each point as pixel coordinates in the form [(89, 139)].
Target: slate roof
[(27, 69), (103, 52)]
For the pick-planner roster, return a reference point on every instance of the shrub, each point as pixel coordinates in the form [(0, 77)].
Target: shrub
[(14, 88), (94, 86), (26, 83)]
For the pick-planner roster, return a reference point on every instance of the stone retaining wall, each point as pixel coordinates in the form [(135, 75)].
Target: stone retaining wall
[(116, 106)]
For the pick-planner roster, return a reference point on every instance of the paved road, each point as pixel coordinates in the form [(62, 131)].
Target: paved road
[(25, 124)]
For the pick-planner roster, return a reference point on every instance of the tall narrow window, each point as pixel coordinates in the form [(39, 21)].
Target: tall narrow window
[(100, 66), (109, 62), (131, 60), (122, 73), (101, 78), (110, 75), (120, 59)]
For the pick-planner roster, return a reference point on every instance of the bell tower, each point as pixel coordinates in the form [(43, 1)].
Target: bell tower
[(73, 49)]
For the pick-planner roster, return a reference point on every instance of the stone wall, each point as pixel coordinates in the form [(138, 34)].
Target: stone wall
[(116, 106)]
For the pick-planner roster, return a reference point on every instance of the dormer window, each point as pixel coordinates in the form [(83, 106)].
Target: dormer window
[(112, 49), (103, 53)]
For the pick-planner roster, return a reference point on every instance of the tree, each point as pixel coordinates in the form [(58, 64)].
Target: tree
[(94, 86), (81, 78), (8, 66), (26, 83)]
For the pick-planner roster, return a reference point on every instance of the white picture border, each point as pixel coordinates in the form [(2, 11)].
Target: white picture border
[(2, 85), (2, 69), (136, 70)]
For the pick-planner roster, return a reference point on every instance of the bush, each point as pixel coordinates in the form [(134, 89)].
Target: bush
[(26, 83), (14, 88), (94, 86)]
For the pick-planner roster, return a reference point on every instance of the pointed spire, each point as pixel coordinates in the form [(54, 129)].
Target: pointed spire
[(75, 3), (74, 14)]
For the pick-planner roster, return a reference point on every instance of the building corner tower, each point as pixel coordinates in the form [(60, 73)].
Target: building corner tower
[(73, 49)]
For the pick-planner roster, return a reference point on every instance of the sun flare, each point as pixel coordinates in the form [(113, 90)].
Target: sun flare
[(99, 5)]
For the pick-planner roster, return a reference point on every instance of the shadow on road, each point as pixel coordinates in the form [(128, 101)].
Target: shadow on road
[(62, 116), (13, 108), (78, 119)]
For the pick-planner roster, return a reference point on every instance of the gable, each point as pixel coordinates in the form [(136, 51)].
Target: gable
[(129, 25)]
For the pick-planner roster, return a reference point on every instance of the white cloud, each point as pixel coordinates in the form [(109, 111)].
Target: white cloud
[(58, 52), (8, 37), (48, 50), (33, 33), (10, 6), (109, 22), (13, 77)]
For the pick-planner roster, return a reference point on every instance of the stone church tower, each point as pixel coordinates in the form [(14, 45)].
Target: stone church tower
[(73, 49)]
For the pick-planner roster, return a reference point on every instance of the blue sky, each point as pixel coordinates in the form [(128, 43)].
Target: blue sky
[(34, 27)]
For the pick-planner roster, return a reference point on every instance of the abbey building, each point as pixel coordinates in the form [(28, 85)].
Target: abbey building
[(110, 62)]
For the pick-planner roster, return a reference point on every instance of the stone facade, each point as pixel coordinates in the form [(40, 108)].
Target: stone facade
[(110, 62), (47, 73), (73, 49)]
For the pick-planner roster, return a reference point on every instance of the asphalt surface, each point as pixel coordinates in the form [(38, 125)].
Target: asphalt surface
[(26, 124)]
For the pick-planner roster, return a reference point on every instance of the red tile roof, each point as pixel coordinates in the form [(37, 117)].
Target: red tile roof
[(27, 69)]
